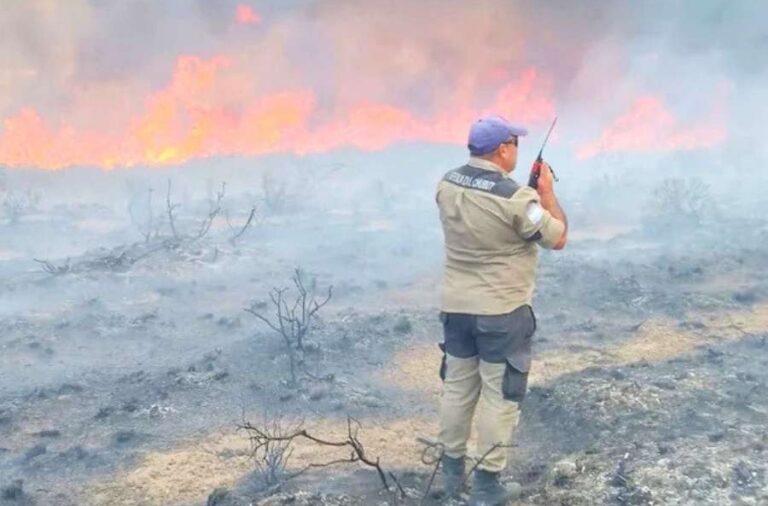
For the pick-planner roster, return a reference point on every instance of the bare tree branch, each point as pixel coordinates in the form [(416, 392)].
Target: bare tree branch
[(53, 269), (214, 211), (403, 495), (248, 222), (483, 457), (293, 322), (431, 460), (263, 438)]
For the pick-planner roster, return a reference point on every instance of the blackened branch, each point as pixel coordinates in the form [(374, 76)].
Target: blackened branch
[(431, 456), (292, 321), (213, 212), (483, 457), (53, 269), (245, 227), (262, 438)]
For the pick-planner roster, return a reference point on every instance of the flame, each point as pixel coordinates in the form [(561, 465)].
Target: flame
[(649, 127), (80, 87), (209, 108), (245, 15), (374, 126)]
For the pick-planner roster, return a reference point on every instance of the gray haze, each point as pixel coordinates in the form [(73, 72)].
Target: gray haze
[(129, 339)]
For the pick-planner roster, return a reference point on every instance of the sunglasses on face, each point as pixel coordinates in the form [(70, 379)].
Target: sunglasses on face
[(512, 141)]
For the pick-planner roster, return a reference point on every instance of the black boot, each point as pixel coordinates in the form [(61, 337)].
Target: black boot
[(453, 476), (487, 491)]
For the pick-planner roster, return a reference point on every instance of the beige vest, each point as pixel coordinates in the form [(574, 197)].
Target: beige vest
[(492, 229)]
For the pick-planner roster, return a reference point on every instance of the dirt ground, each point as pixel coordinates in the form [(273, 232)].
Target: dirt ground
[(126, 386)]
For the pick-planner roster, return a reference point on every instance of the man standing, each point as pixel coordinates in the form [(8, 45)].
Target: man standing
[(493, 228)]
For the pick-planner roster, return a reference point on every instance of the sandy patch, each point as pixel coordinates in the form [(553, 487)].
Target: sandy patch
[(185, 474), (189, 473)]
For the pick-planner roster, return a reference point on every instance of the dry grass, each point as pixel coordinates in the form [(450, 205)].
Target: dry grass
[(182, 475), (188, 473)]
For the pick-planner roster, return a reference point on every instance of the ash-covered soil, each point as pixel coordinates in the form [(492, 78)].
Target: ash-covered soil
[(124, 382)]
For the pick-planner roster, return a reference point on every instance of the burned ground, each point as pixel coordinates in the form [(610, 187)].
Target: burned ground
[(125, 383)]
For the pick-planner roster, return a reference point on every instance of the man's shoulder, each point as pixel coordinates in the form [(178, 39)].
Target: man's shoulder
[(524, 200), (526, 193)]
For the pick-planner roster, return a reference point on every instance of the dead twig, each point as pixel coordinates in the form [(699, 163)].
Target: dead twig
[(213, 212), (483, 457), (429, 459), (276, 295), (248, 222), (308, 306), (171, 208), (328, 377), (54, 269), (400, 489), (263, 439), (293, 322)]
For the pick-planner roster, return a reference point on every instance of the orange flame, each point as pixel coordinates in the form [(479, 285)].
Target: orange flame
[(648, 126), (245, 15), (209, 108)]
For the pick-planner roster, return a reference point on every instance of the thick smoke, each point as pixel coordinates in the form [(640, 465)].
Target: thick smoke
[(325, 125), (89, 73)]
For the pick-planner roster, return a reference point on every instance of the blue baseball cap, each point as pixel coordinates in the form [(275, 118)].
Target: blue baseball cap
[(487, 133)]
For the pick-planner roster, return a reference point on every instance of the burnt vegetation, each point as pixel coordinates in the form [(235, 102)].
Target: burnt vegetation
[(15, 203), (680, 203), (273, 442), (294, 310), (162, 233), (650, 352)]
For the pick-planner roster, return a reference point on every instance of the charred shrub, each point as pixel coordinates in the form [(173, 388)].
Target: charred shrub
[(271, 459), (275, 193), (16, 205), (293, 313), (403, 326), (14, 491), (679, 204)]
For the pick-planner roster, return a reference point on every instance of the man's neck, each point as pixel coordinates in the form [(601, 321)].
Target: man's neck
[(483, 163)]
